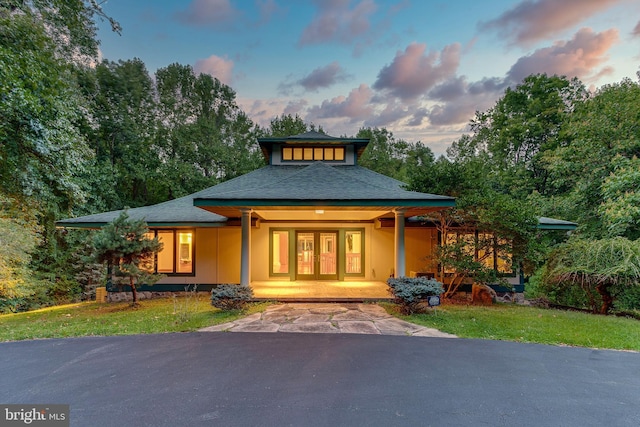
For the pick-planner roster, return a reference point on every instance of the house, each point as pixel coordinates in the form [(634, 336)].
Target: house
[(312, 217)]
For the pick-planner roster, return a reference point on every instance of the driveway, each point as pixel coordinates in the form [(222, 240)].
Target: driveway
[(267, 379)]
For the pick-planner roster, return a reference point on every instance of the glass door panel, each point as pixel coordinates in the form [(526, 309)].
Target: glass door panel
[(316, 255), (328, 244), (306, 254)]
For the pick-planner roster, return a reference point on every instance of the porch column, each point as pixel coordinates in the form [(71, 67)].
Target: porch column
[(399, 257), (245, 257)]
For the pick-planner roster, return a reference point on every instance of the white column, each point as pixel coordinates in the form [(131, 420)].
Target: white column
[(245, 257), (399, 254)]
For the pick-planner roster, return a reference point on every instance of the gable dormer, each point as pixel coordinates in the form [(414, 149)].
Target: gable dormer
[(310, 147)]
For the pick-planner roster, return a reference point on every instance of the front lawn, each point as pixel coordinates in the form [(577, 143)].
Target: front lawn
[(528, 324), (90, 318)]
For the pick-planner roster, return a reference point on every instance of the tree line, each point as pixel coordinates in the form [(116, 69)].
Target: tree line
[(80, 136)]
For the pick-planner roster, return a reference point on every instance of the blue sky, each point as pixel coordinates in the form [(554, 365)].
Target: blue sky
[(419, 68)]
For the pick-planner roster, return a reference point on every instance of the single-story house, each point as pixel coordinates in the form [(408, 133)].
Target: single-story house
[(311, 216)]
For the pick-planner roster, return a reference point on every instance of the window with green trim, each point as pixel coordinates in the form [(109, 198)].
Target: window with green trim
[(177, 254), (279, 263), (353, 252)]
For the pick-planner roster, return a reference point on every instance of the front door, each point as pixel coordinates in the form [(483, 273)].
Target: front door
[(316, 255)]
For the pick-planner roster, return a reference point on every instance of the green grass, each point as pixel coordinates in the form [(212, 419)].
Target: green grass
[(499, 322), (95, 319), (533, 325)]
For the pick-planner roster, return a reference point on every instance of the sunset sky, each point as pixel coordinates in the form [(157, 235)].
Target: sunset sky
[(420, 68)]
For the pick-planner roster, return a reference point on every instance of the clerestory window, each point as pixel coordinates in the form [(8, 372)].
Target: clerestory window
[(297, 154)]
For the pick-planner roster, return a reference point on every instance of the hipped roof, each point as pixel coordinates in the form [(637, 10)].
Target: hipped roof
[(317, 184)]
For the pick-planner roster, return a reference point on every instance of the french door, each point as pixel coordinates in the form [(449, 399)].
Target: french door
[(316, 255)]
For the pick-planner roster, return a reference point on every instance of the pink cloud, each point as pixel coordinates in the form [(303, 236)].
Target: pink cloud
[(413, 72), (458, 100), (220, 68), (533, 20), (636, 30), (579, 57), (204, 13), (356, 106), (336, 22)]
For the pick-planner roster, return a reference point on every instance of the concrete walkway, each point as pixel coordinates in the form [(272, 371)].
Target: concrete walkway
[(347, 318)]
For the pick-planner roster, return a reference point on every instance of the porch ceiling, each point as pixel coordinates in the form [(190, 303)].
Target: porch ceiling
[(321, 212)]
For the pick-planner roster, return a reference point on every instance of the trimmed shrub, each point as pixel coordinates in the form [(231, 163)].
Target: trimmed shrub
[(411, 293), (230, 296)]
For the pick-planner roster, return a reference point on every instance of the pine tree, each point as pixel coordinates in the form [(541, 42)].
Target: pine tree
[(124, 245)]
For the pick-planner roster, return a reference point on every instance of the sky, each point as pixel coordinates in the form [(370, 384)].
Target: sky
[(419, 68)]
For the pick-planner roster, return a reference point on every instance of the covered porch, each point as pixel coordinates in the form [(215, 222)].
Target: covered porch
[(320, 291)]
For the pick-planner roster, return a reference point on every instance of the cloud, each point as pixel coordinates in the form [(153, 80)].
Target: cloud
[(295, 107), (218, 67), (320, 78), (457, 100), (207, 13), (356, 106), (578, 57), (391, 113), (413, 72), (636, 30), (534, 20), (335, 22)]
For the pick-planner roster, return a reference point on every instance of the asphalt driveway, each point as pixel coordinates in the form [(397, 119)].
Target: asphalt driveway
[(265, 379)]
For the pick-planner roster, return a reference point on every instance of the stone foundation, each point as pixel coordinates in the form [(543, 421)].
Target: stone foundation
[(142, 295)]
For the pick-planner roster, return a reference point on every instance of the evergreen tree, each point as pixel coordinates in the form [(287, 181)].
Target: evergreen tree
[(124, 245)]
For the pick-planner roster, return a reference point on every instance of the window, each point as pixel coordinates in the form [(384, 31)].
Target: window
[(280, 252), (353, 252), (176, 256), (485, 248), (332, 154)]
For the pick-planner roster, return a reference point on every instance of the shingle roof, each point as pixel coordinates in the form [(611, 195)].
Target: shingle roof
[(173, 212), (555, 224), (304, 185), (315, 182)]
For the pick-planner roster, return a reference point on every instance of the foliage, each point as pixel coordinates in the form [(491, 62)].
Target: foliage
[(230, 296), (410, 293), (598, 266), (41, 150), (592, 172), (288, 125), (18, 238), (524, 124), (70, 23), (385, 154), (620, 207), (125, 247)]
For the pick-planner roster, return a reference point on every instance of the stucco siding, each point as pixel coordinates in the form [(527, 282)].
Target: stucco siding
[(419, 244)]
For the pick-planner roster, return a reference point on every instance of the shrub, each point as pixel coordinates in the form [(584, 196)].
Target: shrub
[(230, 296), (411, 293)]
